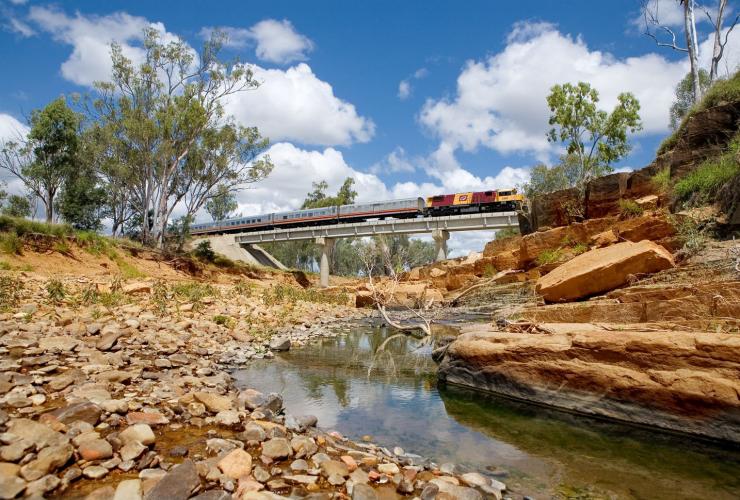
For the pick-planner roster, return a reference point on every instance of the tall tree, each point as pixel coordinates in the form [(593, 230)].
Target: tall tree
[(17, 206), (221, 204), (44, 159), (720, 38), (163, 111), (593, 138), (685, 96)]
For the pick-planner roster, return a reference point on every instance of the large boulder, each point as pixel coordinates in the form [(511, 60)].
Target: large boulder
[(602, 270)]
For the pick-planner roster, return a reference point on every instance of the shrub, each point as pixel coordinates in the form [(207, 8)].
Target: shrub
[(204, 251), (489, 271), (702, 184), (11, 243), (222, 320), (4, 266), (55, 291), (505, 233), (630, 208), (21, 226), (160, 297), (579, 248), (10, 292), (549, 257), (194, 292), (281, 294), (243, 288), (62, 247), (662, 180)]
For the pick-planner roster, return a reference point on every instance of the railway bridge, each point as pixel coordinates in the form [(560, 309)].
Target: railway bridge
[(230, 243)]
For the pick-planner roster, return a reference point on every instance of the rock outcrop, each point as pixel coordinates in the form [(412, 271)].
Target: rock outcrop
[(602, 270), (679, 380)]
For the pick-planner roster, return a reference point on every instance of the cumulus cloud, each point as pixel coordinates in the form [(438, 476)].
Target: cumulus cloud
[(90, 38), (404, 86), (275, 41), (500, 101), (17, 26), (11, 129), (296, 105), (396, 161)]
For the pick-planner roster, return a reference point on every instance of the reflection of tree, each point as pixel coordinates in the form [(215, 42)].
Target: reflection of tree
[(341, 390), (596, 452)]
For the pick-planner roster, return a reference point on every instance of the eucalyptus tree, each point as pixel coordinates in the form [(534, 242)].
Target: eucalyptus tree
[(162, 112), (222, 204)]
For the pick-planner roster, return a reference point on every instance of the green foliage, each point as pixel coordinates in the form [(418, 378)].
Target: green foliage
[(594, 138), (701, 185), (11, 290), (193, 291), (11, 243), (128, 271), (662, 180), (222, 203), (226, 321), (55, 291), (509, 232), (160, 297), (693, 238), (579, 248), (5, 266), (82, 199), (549, 257), (17, 206), (489, 271), (630, 208), (243, 289), (90, 295), (61, 246), (21, 227), (204, 251), (685, 96)]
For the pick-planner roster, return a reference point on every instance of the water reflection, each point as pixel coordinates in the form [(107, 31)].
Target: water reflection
[(539, 452)]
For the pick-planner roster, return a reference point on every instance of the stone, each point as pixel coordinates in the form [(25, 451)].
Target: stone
[(227, 418), (273, 402), (301, 479), (299, 465), (214, 495), (94, 472), (238, 463), (178, 451), (16, 450), (280, 343), (84, 411), (108, 340), (251, 399), (95, 393), (350, 462), (177, 484), (132, 450), (334, 467), (149, 418), (214, 402), (141, 433), (119, 406), (603, 269), (42, 486), (59, 343), (366, 492), (254, 432), (277, 448), (456, 492), (260, 474), (128, 489), (48, 460), (95, 449), (405, 487), (138, 287), (389, 468), (104, 493), (11, 487)]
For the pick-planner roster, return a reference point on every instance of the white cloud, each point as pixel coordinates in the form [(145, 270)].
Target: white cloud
[(18, 2), (500, 101), (295, 105), (396, 161), (11, 129), (404, 89), (17, 26), (90, 38), (278, 42), (665, 12), (275, 41)]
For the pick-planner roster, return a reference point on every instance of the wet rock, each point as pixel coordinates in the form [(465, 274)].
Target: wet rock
[(95, 449), (359, 476), (218, 445), (251, 399), (457, 492), (429, 492), (149, 418), (238, 463), (34, 432), (177, 484), (367, 492), (447, 468), (42, 486), (178, 451), (273, 402), (253, 432), (260, 474), (405, 487), (104, 493), (277, 449), (128, 489), (11, 487), (84, 411), (48, 460), (334, 467), (301, 479), (94, 472), (281, 343), (227, 418), (389, 468), (214, 402), (132, 450), (141, 433)]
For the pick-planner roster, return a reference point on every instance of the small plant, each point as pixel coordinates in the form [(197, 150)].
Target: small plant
[(284, 294), (549, 257), (226, 321), (630, 209), (55, 291), (204, 251), (109, 300), (10, 292), (694, 239), (4, 266), (62, 247), (89, 295), (243, 289), (194, 292), (160, 297), (489, 271), (128, 271), (11, 243), (702, 184), (579, 248), (662, 180)]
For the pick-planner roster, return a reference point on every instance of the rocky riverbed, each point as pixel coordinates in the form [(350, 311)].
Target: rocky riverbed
[(135, 401)]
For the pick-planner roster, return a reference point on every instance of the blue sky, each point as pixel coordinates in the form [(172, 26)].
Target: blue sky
[(410, 98)]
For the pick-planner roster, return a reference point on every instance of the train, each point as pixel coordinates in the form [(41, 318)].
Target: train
[(433, 206)]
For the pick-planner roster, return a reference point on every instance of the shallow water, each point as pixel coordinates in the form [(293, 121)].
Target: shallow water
[(535, 451)]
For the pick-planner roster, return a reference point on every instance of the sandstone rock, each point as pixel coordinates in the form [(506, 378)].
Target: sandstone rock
[(149, 418), (138, 287), (94, 472), (227, 418), (132, 450), (33, 432), (108, 340), (177, 484), (11, 487), (84, 411), (48, 460), (303, 446), (456, 492), (42, 486), (141, 433), (95, 449), (214, 402), (59, 343), (276, 448), (104, 493), (128, 489), (601, 270), (236, 464), (389, 468), (281, 343), (365, 492), (254, 432), (301, 479), (334, 467)]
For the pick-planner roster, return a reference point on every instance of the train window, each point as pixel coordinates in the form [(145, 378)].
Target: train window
[(489, 193), (439, 198), (504, 193)]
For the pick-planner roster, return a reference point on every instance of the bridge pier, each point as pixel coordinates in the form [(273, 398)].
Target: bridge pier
[(440, 237), (327, 245)]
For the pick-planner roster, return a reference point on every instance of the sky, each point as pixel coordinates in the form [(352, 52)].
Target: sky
[(409, 98)]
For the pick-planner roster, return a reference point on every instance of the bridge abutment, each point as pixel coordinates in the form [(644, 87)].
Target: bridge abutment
[(440, 237), (327, 245)]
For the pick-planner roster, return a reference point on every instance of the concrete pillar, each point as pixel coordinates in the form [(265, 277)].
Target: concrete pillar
[(326, 244), (440, 237)]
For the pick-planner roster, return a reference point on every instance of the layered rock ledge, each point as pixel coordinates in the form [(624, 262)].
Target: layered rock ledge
[(677, 380)]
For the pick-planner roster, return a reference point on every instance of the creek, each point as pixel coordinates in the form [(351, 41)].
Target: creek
[(394, 397)]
